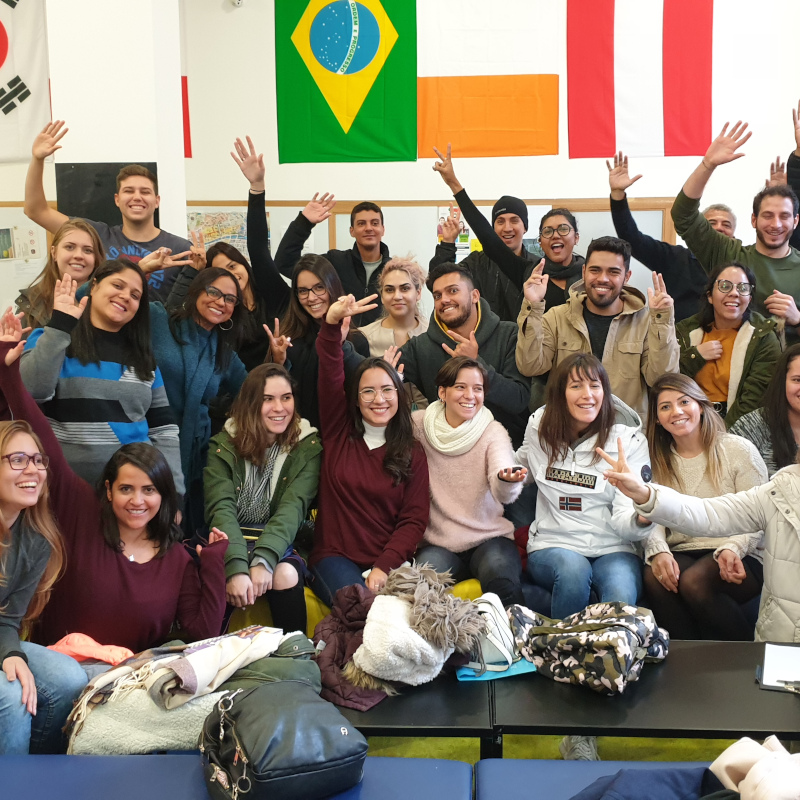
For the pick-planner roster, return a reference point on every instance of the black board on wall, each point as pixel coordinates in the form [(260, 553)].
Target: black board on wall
[(87, 190)]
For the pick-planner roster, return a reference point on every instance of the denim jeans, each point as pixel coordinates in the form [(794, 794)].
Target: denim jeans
[(495, 563), (571, 577), (59, 681), (334, 573)]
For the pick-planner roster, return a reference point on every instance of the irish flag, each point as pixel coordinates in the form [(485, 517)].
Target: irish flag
[(639, 77)]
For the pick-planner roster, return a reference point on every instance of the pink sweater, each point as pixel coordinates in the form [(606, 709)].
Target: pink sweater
[(467, 497)]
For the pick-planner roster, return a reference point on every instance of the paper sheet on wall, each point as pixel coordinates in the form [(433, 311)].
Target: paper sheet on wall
[(23, 253)]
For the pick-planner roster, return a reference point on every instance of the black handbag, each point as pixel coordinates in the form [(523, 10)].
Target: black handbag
[(279, 741)]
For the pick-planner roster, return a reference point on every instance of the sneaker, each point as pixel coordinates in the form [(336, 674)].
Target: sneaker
[(579, 748)]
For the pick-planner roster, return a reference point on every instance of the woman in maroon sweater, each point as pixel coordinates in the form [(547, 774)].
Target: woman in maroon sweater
[(127, 579), (373, 489)]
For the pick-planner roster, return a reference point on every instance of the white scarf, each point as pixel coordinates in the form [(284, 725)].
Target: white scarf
[(454, 441)]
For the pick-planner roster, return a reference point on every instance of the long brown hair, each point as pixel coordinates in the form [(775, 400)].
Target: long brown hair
[(40, 519), (250, 439), (297, 322), (40, 292), (776, 412), (555, 428), (660, 442)]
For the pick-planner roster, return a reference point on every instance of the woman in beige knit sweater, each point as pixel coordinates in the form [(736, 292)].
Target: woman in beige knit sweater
[(696, 586), (470, 462)]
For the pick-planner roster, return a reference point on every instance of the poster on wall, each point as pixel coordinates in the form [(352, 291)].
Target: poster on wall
[(221, 225), (465, 242), (23, 253)]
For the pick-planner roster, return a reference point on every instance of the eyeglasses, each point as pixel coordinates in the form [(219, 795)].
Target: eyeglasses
[(20, 461), (744, 289), (215, 294), (369, 395), (563, 229), (318, 291)]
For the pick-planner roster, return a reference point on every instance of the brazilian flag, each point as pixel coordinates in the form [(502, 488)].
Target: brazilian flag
[(346, 76)]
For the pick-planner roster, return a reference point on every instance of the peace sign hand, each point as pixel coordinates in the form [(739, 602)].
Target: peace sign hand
[(348, 306), (278, 344), (450, 226), (445, 168), (197, 252), (535, 288), (657, 297), (621, 476), (464, 347), (317, 211), (251, 165)]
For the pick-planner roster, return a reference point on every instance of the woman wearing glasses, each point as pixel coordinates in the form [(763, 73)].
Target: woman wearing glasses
[(127, 578), (470, 460), (373, 490), (93, 371), (315, 286), (728, 349), (195, 346)]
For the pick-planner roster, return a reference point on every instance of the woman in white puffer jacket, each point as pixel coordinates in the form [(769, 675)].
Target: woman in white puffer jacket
[(773, 507)]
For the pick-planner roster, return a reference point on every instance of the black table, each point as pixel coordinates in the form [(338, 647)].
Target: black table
[(705, 690), (443, 707)]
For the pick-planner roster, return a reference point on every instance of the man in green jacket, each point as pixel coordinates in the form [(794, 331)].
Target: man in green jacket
[(775, 263)]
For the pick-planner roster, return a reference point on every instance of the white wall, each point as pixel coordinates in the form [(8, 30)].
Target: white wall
[(230, 63)]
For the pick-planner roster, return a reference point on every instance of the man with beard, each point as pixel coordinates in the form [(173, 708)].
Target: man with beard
[(633, 337), (503, 266), (775, 263), (462, 324)]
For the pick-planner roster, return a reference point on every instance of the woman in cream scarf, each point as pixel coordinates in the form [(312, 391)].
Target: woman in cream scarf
[(469, 454)]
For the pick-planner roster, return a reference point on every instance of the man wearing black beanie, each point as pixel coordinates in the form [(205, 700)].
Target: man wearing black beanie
[(504, 264)]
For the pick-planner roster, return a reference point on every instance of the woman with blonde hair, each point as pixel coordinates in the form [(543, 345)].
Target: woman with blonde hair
[(76, 251), (696, 586), (40, 685)]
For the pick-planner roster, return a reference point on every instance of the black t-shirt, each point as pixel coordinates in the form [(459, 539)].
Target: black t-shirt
[(598, 326)]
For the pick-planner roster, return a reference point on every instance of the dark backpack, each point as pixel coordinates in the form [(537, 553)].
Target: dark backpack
[(279, 741)]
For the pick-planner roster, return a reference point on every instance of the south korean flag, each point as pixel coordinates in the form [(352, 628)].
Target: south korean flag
[(24, 90)]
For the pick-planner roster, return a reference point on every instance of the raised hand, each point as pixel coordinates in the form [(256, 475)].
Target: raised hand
[(64, 298), (513, 474), (731, 568), (278, 344), (47, 142), (11, 331), (783, 306), (723, 149), (777, 174), (618, 178), (796, 123), (348, 306), (450, 226), (197, 252), (392, 355), (163, 258), (621, 477), (710, 351), (666, 571), (464, 347), (445, 168), (535, 288), (319, 210), (215, 535), (657, 297), (251, 165)]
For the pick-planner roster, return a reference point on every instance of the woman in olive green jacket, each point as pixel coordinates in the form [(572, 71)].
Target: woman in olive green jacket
[(727, 347), (261, 477)]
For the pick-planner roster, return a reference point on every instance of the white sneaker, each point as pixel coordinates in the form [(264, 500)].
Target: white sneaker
[(579, 748)]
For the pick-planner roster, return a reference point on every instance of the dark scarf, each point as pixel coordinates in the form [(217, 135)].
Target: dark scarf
[(570, 273)]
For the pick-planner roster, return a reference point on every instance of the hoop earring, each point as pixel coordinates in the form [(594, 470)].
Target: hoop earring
[(230, 325)]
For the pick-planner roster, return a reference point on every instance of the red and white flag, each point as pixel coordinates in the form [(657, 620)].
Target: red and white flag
[(24, 89), (639, 77)]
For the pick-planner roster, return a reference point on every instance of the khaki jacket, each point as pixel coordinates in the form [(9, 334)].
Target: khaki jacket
[(641, 344), (771, 507)]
